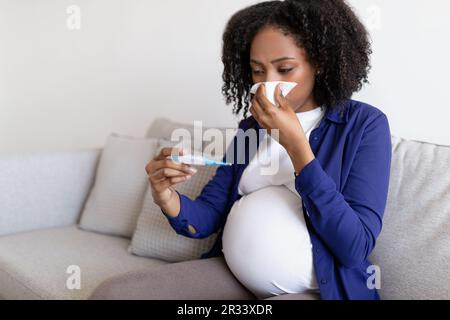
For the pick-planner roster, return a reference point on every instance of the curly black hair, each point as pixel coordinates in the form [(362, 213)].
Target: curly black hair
[(335, 41)]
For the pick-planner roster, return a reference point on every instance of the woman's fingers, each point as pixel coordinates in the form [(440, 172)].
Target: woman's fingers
[(266, 106), (164, 172), (165, 152), (279, 98), (255, 109), (168, 182), (170, 164), (156, 165), (168, 173)]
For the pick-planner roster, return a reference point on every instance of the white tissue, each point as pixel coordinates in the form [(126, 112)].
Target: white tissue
[(286, 87)]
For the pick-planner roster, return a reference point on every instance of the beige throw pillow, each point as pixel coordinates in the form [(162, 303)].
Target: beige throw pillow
[(116, 198), (154, 236)]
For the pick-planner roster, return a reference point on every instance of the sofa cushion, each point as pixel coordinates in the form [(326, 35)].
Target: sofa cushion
[(413, 250), (116, 198), (33, 265), (154, 236), (205, 279)]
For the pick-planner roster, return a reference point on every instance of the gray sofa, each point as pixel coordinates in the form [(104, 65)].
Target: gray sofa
[(43, 193)]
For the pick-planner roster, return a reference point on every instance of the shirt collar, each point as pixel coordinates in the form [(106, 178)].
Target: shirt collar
[(337, 116)]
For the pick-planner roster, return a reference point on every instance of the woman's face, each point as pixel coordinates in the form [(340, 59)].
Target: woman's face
[(275, 56)]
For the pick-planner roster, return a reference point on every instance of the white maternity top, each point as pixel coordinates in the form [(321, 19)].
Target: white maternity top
[(266, 243)]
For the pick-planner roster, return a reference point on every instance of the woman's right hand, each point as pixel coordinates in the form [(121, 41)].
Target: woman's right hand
[(164, 174)]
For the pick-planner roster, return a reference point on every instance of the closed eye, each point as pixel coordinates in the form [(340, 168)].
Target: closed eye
[(282, 71), (286, 70)]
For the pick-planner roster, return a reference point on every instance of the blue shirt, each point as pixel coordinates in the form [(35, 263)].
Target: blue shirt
[(343, 190)]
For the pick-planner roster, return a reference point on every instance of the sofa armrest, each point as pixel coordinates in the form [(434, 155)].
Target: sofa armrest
[(44, 189)]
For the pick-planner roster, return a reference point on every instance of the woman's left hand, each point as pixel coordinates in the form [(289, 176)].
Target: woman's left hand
[(290, 132), (283, 118)]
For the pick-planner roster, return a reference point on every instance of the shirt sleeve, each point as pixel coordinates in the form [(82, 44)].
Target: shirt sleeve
[(205, 213), (349, 222)]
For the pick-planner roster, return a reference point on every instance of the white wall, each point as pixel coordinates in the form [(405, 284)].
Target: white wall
[(132, 61), (411, 66)]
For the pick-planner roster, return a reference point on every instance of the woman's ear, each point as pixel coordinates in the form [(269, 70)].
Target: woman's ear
[(317, 69)]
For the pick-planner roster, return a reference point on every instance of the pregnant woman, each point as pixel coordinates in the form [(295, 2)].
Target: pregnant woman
[(310, 227)]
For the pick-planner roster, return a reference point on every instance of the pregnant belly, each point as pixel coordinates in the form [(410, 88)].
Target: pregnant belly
[(266, 243)]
